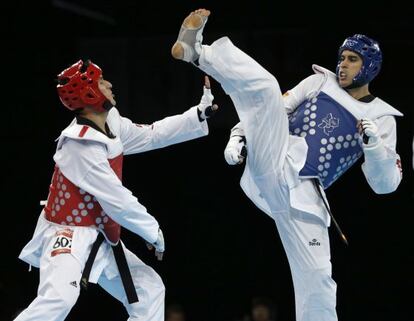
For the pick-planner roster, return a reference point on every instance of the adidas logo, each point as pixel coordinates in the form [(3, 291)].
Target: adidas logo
[(314, 242), (74, 284)]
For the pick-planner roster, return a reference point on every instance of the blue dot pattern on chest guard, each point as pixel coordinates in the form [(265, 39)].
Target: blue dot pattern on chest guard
[(330, 131)]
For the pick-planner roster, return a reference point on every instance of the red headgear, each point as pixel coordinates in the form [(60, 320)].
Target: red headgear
[(78, 87)]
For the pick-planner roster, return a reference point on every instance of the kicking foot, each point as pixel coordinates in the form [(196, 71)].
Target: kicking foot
[(188, 44)]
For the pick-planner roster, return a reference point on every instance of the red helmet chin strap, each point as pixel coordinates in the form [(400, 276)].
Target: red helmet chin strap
[(78, 87)]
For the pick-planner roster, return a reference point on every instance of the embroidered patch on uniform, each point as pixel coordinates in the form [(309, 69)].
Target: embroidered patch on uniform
[(62, 243)]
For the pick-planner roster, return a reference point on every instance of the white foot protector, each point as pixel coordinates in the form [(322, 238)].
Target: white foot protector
[(190, 38)]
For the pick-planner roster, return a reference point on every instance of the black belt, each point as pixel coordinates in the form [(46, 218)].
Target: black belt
[(122, 264), (338, 228)]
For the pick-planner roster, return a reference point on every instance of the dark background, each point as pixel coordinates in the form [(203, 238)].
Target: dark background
[(221, 250)]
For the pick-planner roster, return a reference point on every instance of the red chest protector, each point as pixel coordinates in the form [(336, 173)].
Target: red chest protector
[(67, 204)]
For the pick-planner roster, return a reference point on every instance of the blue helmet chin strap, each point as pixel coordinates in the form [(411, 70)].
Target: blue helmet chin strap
[(371, 55)]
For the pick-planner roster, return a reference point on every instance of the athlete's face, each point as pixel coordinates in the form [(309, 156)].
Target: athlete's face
[(350, 64), (106, 89)]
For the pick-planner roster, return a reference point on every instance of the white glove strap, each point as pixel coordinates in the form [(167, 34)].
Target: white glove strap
[(206, 101)]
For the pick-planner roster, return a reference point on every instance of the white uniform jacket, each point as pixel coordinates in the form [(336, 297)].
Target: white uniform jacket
[(83, 159), (381, 166)]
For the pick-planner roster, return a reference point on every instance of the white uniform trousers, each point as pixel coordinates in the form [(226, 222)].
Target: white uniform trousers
[(60, 275), (259, 104)]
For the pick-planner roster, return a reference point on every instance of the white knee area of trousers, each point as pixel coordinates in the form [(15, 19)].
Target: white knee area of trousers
[(315, 293), (69, 297), (53, 303), (59, 285), (149, 286), (151, 297), (323, 291)]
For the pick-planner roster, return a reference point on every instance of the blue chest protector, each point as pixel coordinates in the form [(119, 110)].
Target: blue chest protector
[(332, 137)]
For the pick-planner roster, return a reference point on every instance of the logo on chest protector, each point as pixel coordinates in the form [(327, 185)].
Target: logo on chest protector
[(329, 123), (314, 242), (62, 242)]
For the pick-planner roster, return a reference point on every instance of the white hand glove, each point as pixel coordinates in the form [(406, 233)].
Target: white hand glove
[(159, 246), (206, 109), (236, 151), (369, 131)]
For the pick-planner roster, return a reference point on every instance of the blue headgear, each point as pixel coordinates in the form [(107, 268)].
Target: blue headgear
[(370, 53)]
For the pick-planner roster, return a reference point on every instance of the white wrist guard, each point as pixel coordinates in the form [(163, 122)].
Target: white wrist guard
[(236, 150), (206, 103)]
